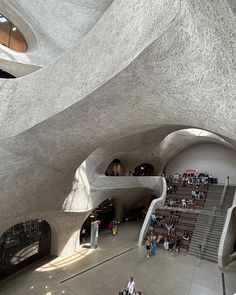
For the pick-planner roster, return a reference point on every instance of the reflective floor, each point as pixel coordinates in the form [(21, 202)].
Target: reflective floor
[(106, 271)]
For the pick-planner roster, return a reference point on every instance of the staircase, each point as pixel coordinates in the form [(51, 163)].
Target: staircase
[(210, 234)]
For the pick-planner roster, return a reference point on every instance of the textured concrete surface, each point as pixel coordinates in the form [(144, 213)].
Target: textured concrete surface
[(159, 65), (49, 28)]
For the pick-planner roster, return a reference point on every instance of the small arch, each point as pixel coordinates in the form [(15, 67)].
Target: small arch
[(10, 36), (22, 244), (115, 168), (144, 169)]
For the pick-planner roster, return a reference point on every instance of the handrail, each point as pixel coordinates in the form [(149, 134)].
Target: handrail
[(224, 253), (152, 208), (203, 243), (223, 193)]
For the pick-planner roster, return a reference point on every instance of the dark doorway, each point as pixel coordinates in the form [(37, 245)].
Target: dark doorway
[(144, 169), (104, 212), (115, 168), (23, 244)]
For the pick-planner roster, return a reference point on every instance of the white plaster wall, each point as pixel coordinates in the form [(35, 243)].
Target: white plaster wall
[(213, 158)]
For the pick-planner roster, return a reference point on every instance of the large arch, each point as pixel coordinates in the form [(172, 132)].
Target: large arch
[(22, 244)]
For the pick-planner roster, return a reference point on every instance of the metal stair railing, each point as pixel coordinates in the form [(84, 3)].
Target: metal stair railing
[(223, 193), (207, 231)]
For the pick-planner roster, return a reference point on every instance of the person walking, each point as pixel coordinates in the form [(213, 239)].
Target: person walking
[(131, 287), (154, 246)]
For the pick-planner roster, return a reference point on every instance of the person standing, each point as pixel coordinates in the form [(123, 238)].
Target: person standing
[(83, 234), (154, 246), (110, 227), (131, 287)]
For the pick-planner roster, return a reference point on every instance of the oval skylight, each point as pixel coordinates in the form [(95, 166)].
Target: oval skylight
[(10, 36)]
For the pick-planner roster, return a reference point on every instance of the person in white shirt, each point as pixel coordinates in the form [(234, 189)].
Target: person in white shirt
[(184, 203), (131, 287)]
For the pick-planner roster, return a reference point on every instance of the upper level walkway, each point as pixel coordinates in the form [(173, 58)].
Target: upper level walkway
[(107, 269)]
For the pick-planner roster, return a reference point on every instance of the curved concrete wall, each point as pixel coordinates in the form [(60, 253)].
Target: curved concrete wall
[(49, 28), (76, 74), (162, 65), (85, 196)]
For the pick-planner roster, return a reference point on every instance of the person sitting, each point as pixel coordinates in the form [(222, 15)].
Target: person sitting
[(171, 244), (171, 202), (159, 217), (163, 221), (159, 238), (177, 245), (204, 196), (184, 181), (175, 217), (189, 203), (153, 219), (168, 227), (186, 236), (184, 205), (150, 231), (198, 195), (172, 230), (170, 215), (176, 203), (166, 244), (174, 189)]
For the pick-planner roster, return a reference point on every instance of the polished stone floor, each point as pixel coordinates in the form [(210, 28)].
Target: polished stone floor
[(107, 269)]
